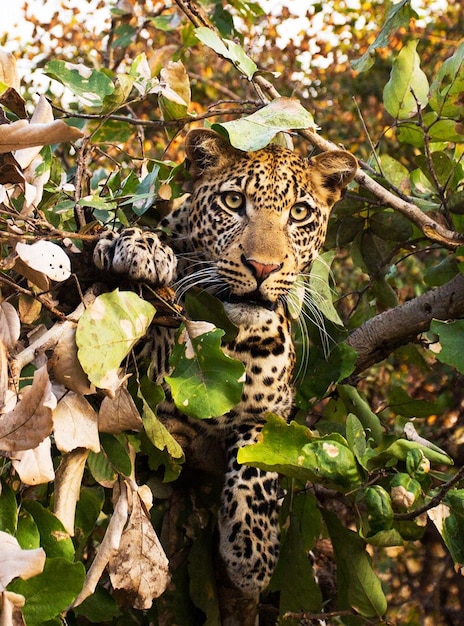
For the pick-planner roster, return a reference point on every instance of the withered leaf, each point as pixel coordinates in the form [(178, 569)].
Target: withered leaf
[(68, 485), (75, 424), (140, 567), (35, 467), (119, 414), (30, 422)]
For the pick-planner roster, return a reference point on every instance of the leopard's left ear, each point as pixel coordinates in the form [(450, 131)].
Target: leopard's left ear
[(335, 169), (206, 149)]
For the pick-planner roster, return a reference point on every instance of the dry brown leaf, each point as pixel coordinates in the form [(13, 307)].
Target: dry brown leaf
[(29, 308), (14, 561), (35, 467), (10, 324), (140, 567), (68, 486), (66, 368), (33, 276), (30, 422), (21, 134), (75, 424), (108, 546), (8, 70), (10, 607), (119, 414)]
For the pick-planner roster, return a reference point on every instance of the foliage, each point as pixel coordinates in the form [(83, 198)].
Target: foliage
[(369, 454)]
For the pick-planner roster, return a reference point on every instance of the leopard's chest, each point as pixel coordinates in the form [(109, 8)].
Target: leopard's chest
[(264, 344)]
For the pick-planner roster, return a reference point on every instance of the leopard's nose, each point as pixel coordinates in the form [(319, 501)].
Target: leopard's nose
[(261, 270)]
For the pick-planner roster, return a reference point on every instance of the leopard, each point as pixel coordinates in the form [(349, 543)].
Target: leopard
[(252, 224)]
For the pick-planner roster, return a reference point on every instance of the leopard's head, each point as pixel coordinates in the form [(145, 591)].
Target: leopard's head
[(261, 217)]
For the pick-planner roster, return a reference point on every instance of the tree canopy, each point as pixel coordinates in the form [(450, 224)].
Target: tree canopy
[(93, 494)]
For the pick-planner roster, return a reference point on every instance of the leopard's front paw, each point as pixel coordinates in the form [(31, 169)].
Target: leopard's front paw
[(137, 254)]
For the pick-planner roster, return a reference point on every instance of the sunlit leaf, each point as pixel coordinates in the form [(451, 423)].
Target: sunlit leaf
[(255, 131), (90, 85), (448, 86), (408, 87), (227, 49), (110, 327)]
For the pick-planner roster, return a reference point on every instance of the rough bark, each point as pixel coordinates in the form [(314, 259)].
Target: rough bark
[(382, 334)]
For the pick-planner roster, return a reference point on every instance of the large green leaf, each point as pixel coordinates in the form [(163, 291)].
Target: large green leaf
[(90, 85), (54, 538), (255, 131), (408, 86), (450, 348), (205, 382), (292, 450), (107, 332), (51, 592), (358, 586)]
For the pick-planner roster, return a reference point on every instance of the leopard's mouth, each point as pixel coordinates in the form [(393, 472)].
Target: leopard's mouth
[(252, 298)]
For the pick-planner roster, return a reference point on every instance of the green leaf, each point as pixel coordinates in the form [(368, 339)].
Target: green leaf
[(398, 174), (51, 592), (227, 49), (356, 437), (448, 517), (279, 449), (101, 469), (321, 372), (357, 405), (292, 450), (256, 131), (116, 453), (408, 86), (358, 586), (379, 509), (8, 509), (54, 539), (205, 381), (88, 84), (27, 534), (158, 434), (98, 608), (201, 305), (110, 327), (294, 576), (399, 449), (88, 509), (447, 88), (202, 580), (450, 348), (398, 16)]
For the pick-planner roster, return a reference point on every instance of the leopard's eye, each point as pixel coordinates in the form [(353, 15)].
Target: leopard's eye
[(233, 200), (300, 212)]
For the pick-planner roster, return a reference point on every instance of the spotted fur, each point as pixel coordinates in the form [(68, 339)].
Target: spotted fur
[(253, 223)]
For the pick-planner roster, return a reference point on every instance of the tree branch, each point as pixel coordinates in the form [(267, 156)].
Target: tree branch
[(382, 334)]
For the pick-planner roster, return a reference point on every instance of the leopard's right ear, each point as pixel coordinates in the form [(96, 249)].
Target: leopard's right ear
[(206, 149)]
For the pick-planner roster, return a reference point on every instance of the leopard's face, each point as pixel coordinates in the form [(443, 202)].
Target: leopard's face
[(261, 217)]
